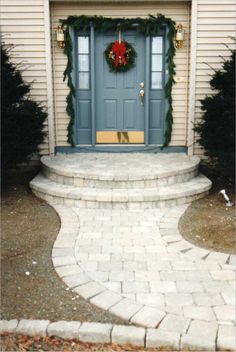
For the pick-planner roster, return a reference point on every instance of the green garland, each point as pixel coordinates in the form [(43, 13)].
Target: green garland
[(146, 26)]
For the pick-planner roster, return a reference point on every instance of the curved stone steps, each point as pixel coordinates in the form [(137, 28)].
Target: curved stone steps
[(120, 171), (162, 196)]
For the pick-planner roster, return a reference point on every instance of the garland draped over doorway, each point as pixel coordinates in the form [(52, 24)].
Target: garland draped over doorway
[(147, 26)]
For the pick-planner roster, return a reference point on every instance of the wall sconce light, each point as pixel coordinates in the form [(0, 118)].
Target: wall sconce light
[(179, 37), (60, 37)]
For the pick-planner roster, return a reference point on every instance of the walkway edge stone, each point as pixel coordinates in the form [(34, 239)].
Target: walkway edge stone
[(32, 327), (94, 332), (8, 325), (161, 338), (64, 329), (128, 335)]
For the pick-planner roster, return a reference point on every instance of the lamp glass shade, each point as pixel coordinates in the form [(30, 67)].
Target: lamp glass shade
[(60, 35), (180, 35)]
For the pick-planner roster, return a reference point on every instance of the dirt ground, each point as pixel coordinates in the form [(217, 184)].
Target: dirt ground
[(208, 222)]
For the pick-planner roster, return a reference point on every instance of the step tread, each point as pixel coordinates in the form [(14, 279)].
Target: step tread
[(120, 167), (196, 185)]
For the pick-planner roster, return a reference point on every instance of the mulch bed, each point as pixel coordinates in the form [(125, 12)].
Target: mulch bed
[(11, 342)]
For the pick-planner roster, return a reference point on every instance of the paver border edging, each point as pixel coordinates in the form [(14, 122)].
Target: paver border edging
[(118, 334), (169, 231)]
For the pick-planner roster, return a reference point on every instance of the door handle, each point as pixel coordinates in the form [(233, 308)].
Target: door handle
[(141, 93)]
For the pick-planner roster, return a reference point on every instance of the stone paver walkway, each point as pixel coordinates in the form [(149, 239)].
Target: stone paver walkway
[(135, 264)]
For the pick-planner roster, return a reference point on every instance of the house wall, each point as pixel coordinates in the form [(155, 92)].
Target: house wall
[(22, 24), (178, 11), (216, 23)]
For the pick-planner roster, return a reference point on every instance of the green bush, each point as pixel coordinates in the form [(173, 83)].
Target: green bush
[(217, 128), (22, 118)]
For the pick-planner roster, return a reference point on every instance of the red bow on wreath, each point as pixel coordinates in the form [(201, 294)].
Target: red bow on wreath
[(119, 49), (120, 56)]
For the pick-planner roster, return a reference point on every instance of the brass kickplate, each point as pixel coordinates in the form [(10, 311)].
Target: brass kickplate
[(120, 137)]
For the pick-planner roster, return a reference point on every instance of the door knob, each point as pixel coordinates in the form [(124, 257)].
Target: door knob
[(141, 93), (141, 85)]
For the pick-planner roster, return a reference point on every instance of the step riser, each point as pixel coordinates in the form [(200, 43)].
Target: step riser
[(52, 199), (185, 176)]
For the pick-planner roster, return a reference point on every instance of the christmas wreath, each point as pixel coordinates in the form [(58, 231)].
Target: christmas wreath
[(120, 56)]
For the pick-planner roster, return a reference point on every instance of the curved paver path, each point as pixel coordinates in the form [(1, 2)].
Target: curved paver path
[(135, 264)]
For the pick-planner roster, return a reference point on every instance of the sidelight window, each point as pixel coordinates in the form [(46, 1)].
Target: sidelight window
[(83, 63), (157, 63)]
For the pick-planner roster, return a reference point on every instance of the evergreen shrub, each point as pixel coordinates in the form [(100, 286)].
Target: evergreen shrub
[(217, 128), (22, 119)]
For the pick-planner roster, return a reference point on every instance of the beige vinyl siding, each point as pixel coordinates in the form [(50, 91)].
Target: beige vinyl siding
[(216, 23), (22, 24), (178, 11)]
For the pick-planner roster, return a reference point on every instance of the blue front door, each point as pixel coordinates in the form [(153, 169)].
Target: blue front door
[(120, 112), (120, 115)]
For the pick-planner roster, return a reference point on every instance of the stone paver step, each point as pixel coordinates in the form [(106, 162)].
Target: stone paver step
[(162, 196), (109, 170)]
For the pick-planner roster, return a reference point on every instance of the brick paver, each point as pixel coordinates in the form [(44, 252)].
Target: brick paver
[(8, 325), (32, 327), (163, 339), (64, 329), (95, 333), (128, 335), (226, 338)]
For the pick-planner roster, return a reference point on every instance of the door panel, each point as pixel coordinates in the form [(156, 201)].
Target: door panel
[(85, 111), (130, 111), (130, 79), (110, 116), (155, 114), (110, 81)]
